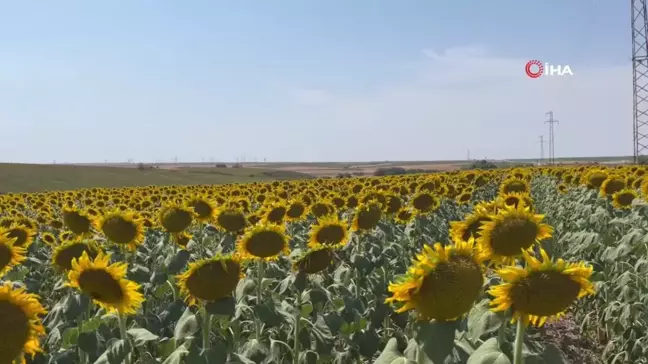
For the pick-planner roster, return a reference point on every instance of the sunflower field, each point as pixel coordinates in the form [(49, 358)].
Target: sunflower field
[(468, 267)]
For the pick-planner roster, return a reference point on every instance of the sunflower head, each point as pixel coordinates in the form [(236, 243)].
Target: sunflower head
[(65, 253), (510, 231), (48, 238), (469, 227), (105, 283), (182, 239), (275, 212), (123, 228), (203, 208), (442, 282), (210, 279), (297, 210), (264, 241), (315, 260), (10, 255), (424, 202), (366, 217), (543, 290), (404, 215), (23, 235), (623, 199), (611, 185), (562, 188), (19, 315), (76, 220), (514, 184), (515, 199), (329, 231), (231, 219), (175, 217)]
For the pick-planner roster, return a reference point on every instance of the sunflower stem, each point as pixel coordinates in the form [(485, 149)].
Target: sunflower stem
[(206, 328), (124, 335), (519, 341), (259, 287), (297, 328), (501, 334)]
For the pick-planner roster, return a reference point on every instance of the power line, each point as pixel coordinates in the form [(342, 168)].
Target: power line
[(541, 148), (551, 121)]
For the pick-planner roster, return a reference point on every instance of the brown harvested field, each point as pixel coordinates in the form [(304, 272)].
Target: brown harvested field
[(335, 169)]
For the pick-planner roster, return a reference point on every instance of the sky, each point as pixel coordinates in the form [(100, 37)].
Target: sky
[(310, 80)]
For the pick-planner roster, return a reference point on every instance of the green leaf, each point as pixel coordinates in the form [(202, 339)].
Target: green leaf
[(88, 342), (186, 326), (436, 339), (178, 262), (390, 353), (116, 353), (177, 355), (482, 321), (306, 310), (70, 337), (141, 336), (489, 353)]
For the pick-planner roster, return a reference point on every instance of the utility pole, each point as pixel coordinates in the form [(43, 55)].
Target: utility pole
[(551, 121), (541, 148), (468, 154), (639, 26)]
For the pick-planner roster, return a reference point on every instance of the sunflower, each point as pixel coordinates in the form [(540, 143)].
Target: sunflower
[(264, 241), (322, 208), (595, 178), (182, 239), (65, 253), (275, 212), (210, 279), (24, 236), (122, 228), (105, 283), (77, 221), (611, 185), (10, 255), (424, 202), (67, 235), (543, 290), (464, 198), (516, 198), (297, 210), (315, 260), (204, 209), (19, 316), (329, 231), (404, 215), (367, 216), (562, 188), (230, 219), (175, 218), (469, 227), (514, 185), (442, 283), (513, 229), (623, 199), (48, 238)]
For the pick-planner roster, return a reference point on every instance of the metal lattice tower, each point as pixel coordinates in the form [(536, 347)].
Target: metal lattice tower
[(541, 149), (639, 20), (551, 122)]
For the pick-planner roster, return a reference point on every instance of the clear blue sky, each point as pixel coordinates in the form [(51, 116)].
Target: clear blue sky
[(307, 80)]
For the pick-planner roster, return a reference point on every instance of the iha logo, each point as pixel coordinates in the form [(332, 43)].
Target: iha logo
[(535, 69)]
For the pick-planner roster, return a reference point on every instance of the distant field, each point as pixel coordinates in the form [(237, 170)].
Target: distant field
[(36, 177)]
